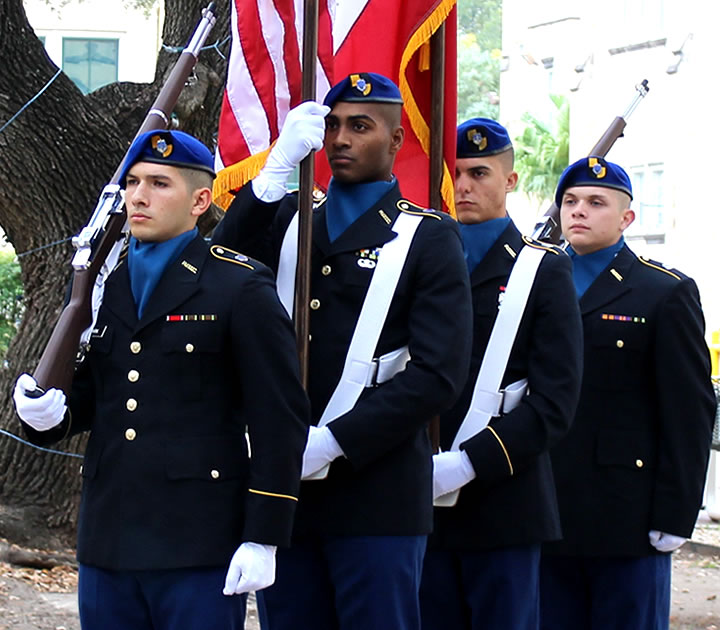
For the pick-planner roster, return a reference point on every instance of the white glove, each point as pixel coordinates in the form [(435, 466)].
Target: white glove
[(451, 470), (42, 413), (252, 568), (665, 542), (302, 132), (321, 449)]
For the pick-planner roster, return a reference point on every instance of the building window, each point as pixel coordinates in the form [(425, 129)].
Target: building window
[(90, 63), (649, 200)]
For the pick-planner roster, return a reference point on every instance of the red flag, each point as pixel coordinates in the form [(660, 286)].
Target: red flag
[(392, 37), (386, 36)]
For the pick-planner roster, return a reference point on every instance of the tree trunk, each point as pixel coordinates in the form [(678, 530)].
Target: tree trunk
[(54, 160)]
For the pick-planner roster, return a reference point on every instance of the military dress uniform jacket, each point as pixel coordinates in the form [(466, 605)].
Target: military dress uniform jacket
[(383, 485), (167, 479), (636, 455), (512, 500)]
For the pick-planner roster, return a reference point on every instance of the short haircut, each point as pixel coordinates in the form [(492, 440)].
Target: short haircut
[(196, 179), (508, 159), (391, 114)]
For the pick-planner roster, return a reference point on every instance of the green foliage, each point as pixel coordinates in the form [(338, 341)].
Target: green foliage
[(478, 80), (11, 293), (483, 18), (479, 43), (542, 152)]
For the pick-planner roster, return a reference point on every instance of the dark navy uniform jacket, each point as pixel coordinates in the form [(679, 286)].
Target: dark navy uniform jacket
[(383, 485), (636, 456), (167, 479), (512, 499)]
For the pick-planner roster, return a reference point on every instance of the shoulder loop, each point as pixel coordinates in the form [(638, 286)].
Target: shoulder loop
[(228, 255), (548, 247), (410, 208), (656, 265)]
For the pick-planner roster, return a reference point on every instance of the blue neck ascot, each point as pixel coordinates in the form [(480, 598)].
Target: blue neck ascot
[(147, 263), (478, 238), (588, 267), (347, 202)]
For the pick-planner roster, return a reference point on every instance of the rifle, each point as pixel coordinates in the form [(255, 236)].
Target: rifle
[(548, 228), (103, 235)]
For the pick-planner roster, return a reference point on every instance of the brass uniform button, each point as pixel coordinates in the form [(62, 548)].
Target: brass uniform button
[(619, 343), (326, 270), (189, 347), (215, 474), (131, 404), (130, 435), (315, 304), (639, 463), (133, 376), (135, 347)]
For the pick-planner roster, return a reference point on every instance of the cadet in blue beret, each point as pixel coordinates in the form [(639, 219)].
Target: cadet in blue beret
[(191, 349), (482, 566), (647, 404), (361, 532)]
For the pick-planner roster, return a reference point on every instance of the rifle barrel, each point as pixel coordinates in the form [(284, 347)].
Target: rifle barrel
[(57, 363)]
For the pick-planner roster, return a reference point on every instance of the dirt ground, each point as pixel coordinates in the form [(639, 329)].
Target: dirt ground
[(46, 599)]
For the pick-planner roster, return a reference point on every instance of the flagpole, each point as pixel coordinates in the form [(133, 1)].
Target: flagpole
[(437, 112), (305, 195)]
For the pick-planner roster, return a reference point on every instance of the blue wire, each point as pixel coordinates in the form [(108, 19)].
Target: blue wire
[(30, 102), (40, 448)]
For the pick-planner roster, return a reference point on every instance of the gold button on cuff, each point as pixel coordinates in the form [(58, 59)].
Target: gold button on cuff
[(189, 347), (130, 434), (315, 304), (215, 474), (326, 270), (639, 463), (133, 376), (619, 343), (131, 404), (135, 347)]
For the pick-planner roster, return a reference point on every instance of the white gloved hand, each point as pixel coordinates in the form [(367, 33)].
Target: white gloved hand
[(42, 413), (302, 132), (321, 449), (451, 470), (252, 568), (665, 542)]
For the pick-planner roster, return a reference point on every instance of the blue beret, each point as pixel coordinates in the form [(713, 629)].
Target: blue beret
[(364, 87), (479, 137), (175, 148), (593, 171)]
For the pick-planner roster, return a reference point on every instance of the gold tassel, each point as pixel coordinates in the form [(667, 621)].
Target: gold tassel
[(421, 38)]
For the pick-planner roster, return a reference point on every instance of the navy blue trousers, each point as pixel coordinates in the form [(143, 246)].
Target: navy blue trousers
[(605, 593), (481, 590), (179, 599), (346, 583)]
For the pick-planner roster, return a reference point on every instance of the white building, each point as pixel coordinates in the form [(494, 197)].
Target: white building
[(594, 53), (99, 41)]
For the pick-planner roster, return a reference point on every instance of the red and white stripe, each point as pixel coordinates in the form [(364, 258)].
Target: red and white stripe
[(264, 72)]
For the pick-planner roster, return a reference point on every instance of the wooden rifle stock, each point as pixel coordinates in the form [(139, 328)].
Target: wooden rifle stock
[(548, 228), (96, 240)]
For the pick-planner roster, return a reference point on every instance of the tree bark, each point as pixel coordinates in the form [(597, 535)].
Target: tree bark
[(54, 160)]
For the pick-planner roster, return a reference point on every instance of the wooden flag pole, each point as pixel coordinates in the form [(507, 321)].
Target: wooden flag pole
[(437, 112), (305, 196)]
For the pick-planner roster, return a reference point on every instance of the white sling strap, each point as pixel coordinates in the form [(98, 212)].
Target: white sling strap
[(487, 399), (359, 360), (287, 265), (372, 318)]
